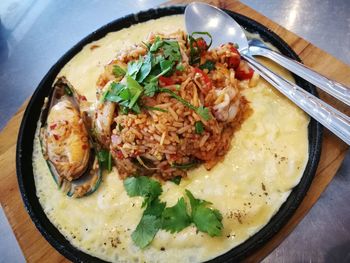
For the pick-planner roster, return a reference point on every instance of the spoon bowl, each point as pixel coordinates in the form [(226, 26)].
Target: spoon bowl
[(223, 29)]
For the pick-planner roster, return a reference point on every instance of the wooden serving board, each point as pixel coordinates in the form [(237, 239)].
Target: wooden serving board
[(37, 249)]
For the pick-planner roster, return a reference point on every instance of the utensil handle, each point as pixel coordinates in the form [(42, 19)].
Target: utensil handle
[(334, 88), (328, 116)]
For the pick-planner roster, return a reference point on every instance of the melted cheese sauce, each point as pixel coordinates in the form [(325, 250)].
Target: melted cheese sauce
[(266, 161)]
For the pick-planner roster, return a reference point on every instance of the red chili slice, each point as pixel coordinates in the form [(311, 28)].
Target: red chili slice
[(166, 81), (244, 71), (233, 62), (119, 155), (201, 44)]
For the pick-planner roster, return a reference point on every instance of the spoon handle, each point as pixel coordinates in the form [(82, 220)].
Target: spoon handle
[(328, 116), (334, 88)]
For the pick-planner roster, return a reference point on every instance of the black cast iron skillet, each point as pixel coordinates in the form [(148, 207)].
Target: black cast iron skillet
[(31, 115)]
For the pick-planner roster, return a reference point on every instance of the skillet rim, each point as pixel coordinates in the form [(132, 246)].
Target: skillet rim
[(28, 125)]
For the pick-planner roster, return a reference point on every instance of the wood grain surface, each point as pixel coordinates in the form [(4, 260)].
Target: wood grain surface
[(37, 249)]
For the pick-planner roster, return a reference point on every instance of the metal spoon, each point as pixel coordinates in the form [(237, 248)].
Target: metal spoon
[(204, 17)]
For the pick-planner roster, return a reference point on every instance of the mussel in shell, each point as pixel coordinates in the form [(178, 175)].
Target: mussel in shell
[(66, 142)]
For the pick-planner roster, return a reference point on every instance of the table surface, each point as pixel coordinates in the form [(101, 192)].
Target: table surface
[(28, 37)]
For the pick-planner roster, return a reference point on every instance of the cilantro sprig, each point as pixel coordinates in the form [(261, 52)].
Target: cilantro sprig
[(173, 219), (205, 219)]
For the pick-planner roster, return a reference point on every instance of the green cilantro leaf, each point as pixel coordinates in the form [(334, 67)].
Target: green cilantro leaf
[(151, 88), (166, 65), (175, 218), (171, 50), (205, 219), (143, 186), (156, 44), (203, 112), (146, 230), (155, 208), (135, 90), (145, 68), (180, 67), (209, 65), (134, 67), (199, 128), (118, 71)]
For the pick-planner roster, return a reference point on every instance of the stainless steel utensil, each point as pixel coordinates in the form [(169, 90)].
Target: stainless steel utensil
[(224, 29)]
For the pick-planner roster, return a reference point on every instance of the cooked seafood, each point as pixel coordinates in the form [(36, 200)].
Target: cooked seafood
[(66, 143)]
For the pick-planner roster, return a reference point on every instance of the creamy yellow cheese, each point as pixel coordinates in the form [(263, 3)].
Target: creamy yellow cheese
[(266, 160)]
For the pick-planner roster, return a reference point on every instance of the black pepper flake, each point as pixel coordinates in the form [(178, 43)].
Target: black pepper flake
[(263, 186), (162, 249)]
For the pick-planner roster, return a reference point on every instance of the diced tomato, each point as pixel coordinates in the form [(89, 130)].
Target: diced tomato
[(53, 126), (201, 44), (56, 137), (205, 77), (165, 81), (119, 155), (244, 71), (233, 61)]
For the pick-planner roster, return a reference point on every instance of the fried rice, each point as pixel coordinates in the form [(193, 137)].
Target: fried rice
[(167, 138)]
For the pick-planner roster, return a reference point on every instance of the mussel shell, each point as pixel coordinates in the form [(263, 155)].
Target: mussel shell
[(88, 180)]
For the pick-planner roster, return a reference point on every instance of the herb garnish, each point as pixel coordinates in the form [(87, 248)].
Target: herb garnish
[(205, 219), (173, 219), (118, 71), (125, 95), (142, 77), (199, 128), (154, 108), (105, 159), (209, 65)]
